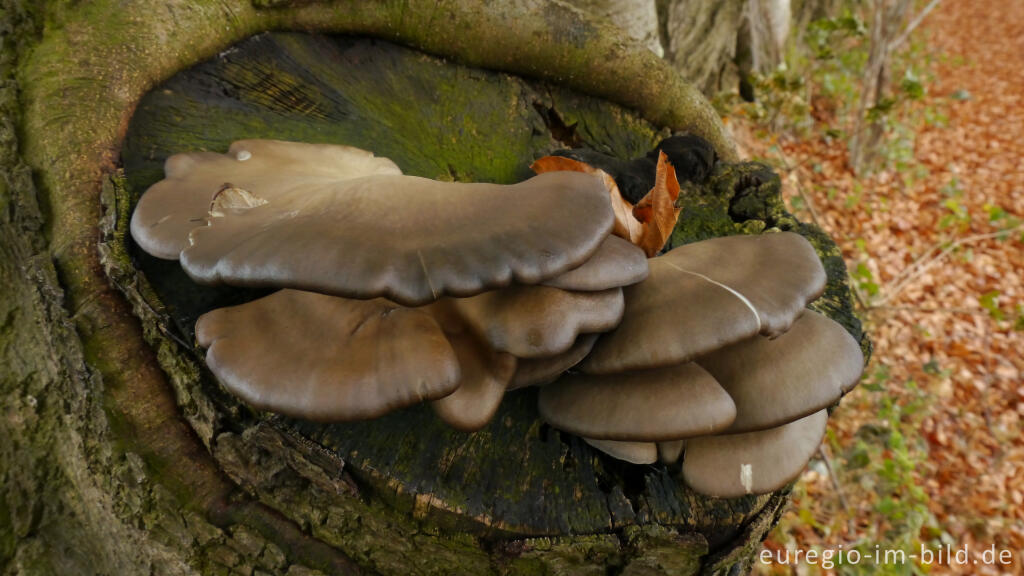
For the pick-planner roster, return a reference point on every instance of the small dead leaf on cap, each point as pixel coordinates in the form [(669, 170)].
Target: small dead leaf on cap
[(650, 222), (626, 225), (657, 212)]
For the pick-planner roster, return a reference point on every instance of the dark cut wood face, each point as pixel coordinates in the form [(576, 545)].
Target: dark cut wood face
[(443, 121)]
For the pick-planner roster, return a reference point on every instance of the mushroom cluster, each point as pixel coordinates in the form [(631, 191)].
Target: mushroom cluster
[(396, 290), (716, 351)]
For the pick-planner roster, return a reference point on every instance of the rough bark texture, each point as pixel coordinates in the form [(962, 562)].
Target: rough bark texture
[(637, 18), (715, 43), (121, 457)]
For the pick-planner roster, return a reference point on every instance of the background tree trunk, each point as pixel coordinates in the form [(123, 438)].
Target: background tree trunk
[(121, 457)]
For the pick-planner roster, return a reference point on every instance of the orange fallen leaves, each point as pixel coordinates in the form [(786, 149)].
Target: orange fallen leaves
[(650, 222)]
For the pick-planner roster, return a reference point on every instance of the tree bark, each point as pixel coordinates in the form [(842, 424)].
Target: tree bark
[(121, 455)]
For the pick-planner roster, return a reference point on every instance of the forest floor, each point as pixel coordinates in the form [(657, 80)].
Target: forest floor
[(929, 450)]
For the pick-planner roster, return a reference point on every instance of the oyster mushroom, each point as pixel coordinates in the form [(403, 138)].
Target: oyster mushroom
[(734, 465), (411, 240), (536, 371), (538, 321), (775, 381), (171, 208), (669, 452), (706, 295), (325, 358), (656, 405), (485, 374), (632, 452), (616, 263)]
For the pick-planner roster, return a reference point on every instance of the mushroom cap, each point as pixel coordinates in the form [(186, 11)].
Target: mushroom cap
[(655, 405), (409, 239), (734, 465), (538, 321), (670, 318), (618, 262), (670, 452), (537, 371), (172, 207), (777, 273), (485, 374), (632, 452), (777, 381), (326, 358), (702, 296)]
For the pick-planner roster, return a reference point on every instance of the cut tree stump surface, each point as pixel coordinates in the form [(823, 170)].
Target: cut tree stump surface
[(516, 477)]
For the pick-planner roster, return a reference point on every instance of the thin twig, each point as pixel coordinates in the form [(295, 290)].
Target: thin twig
[(793, 169), (913, 24), (921, 264)]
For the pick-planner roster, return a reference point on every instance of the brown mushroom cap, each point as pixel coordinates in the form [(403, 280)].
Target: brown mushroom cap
[(778, 273), (702, 296), (409, 239), (538, 321), (670, 318), (735, 465), (632, 452), (327, 358), (485, 374), (616, 263), (670, 452), (655, 405), (172, 207), (537, 371), (777, 381)]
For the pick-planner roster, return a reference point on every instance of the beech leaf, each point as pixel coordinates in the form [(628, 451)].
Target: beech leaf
[(650, 222), (626, 225), (657, 212)]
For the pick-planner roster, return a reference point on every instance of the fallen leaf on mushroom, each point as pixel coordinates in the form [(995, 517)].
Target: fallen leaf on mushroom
[(395, 290)]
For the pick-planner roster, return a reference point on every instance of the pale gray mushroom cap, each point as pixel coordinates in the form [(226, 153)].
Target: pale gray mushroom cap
[(537, 371), (616, 263), (702, 296), (538, 321), (632, 452), (777, 381), (656, 405), (409, 239), (326, 358), (174, 206), (734, 465)]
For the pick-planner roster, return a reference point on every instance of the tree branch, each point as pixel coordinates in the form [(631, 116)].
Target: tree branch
[(913, 24), (926, 261)]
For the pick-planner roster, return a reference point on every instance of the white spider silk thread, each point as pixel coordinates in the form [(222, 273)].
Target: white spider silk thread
[(731, 291)]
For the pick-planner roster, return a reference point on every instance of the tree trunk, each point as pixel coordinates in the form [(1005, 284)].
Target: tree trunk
[(122, 456)]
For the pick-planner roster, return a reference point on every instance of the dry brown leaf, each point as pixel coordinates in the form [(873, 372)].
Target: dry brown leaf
[(649, 223), (657, 212), (626, 226)]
